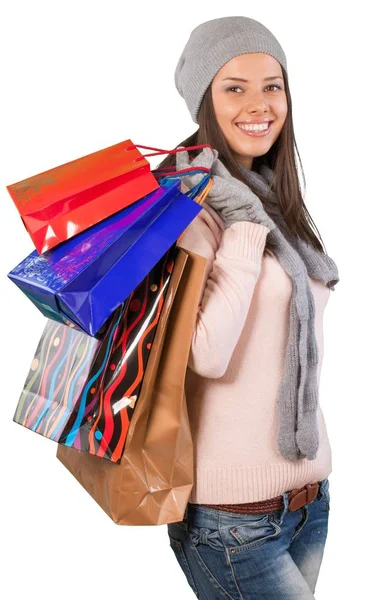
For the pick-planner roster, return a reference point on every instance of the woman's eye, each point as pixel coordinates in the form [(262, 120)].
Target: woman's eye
[(272, 85)]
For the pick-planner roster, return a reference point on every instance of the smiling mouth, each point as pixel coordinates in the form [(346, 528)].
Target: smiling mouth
[(254, 133)]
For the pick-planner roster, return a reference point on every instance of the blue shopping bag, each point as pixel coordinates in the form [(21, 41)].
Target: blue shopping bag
[(84, 280)]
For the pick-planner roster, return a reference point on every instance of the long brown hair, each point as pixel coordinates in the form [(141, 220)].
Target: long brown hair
[(280, 158)]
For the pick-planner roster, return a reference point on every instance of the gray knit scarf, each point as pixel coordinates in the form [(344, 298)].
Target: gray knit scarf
[(297, 398)]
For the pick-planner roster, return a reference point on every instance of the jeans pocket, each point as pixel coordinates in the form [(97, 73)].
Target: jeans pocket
[(252, 532), (210, 557), (178, 549)]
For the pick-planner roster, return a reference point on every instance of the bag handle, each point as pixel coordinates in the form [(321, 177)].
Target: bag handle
[(160, 151), (189, 170), (200, 200), (171, 170)]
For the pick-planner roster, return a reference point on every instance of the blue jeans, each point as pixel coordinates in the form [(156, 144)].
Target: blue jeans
[(252, 556)]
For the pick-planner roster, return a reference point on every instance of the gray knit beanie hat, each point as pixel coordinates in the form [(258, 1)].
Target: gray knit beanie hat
[(211, 45)]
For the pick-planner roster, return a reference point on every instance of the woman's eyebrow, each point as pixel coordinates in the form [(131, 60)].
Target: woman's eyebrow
[(246, 80)]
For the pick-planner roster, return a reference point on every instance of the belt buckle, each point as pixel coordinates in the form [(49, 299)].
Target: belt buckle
[(306, 495)]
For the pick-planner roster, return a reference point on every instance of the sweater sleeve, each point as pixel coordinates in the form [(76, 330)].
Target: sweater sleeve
[(233, 264)]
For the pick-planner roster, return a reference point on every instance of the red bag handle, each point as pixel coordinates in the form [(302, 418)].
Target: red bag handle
[(160, 151)]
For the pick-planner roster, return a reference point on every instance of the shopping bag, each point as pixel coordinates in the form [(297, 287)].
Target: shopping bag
[(152, 483), (82, 392), (83, 281), (59, 203)]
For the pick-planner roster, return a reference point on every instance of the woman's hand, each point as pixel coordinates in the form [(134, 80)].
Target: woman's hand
[(205, 158), (232, 199)]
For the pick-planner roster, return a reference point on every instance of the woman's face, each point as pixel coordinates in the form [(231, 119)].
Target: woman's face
[(250, 89)]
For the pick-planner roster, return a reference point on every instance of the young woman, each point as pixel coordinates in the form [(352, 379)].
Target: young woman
[(257, 520)]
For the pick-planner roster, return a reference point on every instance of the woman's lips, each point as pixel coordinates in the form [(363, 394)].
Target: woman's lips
[(256, 133)]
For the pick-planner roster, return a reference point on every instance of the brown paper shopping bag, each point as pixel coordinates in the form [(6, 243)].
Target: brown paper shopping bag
[(153, 482)]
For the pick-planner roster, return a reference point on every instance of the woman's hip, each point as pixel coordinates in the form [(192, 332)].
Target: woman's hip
[(270, 555)]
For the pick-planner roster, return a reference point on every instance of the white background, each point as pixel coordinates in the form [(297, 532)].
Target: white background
[(81, 76)]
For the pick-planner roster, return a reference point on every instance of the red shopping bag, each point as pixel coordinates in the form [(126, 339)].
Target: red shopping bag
[(57, 204)]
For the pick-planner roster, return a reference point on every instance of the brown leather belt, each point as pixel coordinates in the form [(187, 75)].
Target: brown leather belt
[(297, 498)]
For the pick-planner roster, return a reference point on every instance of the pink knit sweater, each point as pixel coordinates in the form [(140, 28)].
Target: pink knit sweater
[(236, 364)]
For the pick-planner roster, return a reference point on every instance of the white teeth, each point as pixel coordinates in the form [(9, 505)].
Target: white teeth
[(257, 127)]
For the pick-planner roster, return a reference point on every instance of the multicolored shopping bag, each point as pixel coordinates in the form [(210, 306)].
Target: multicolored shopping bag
[(84, 280), (152, 483), (57, 204), (81, 392)]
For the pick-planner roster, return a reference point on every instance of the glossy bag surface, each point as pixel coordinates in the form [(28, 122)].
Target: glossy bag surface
[(81, 392), (83, 281), (152, 483), (57, 204)]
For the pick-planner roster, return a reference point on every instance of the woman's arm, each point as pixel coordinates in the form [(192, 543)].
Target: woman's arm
[(233, 265)]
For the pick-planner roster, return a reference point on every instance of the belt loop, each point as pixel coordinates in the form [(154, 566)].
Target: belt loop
[(311, 492), (285, 507)]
